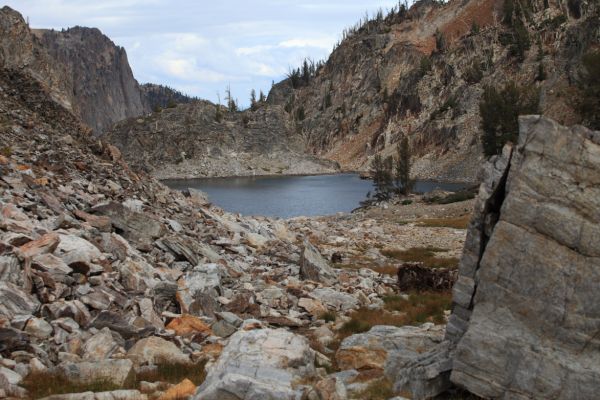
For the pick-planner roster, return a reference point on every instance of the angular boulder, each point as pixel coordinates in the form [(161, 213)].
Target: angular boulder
[(205, 279), (262, 364), (314, 267), (116, 372), (14, 301), (154, 350)]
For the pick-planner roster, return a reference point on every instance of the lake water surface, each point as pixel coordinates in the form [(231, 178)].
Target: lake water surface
[(291, 196)]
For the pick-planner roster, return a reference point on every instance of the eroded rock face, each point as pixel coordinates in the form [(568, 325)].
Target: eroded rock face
[(259, 364), (533, 332)]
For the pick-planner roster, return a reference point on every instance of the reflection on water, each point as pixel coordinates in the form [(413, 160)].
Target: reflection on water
[(291, 196)]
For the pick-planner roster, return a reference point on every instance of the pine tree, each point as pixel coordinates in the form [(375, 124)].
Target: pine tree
[(253, 99), (381, 169), (500, 110), (261, 97), (231, 103), (402, 168)]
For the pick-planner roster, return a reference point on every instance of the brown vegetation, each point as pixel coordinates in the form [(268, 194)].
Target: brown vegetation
[(456, 223), (425, 255)]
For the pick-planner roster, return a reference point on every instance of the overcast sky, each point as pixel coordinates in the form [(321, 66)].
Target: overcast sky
[(199, 47)]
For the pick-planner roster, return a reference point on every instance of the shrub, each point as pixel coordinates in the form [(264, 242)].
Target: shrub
[(218, 113), (328, 316), (300, 114), (425, 65), (171, 103), (440, 41), (245, 121), (541, 74), (407, 202), (574, 8), (589, 104), (474, 73), (500, 110)]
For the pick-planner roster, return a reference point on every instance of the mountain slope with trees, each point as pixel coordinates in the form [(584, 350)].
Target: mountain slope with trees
[(423, 73)]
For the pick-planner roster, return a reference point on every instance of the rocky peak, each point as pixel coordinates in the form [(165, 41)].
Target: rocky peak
[(86, 71)]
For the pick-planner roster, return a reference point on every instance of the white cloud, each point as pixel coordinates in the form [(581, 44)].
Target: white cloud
[(319, 43)]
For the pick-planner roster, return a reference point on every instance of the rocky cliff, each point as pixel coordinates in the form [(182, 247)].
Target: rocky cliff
[(190, 140), (421, 73), (86, 70)]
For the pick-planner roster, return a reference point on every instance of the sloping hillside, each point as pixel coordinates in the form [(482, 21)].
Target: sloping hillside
[(421, 73)]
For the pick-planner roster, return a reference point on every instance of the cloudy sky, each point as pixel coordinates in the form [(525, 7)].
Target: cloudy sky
[(199, 47)]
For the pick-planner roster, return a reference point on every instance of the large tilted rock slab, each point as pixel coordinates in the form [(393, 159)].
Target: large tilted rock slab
[(370, 350), (314, 267), (261, 364), (533, 331)]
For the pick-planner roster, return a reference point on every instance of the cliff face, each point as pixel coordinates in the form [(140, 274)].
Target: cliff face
[(102, 85), (188, 141), (389, 78), (87, 72)]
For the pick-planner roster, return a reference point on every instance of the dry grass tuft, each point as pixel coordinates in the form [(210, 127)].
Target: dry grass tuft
[(417, 309), (455, 222), (425, 255), (421, 307), (43, 384)]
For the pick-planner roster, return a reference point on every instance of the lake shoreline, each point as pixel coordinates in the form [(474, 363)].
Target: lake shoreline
[(292, 196)]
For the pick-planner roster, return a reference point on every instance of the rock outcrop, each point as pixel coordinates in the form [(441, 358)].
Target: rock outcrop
[(533, 328), (86, 71), (524, 324)]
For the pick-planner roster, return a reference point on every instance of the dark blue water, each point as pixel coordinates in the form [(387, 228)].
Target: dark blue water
[(291, 196)]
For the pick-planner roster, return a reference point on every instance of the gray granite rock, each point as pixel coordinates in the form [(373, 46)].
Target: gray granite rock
[(259, 364), (533, 332), (314, 267)]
